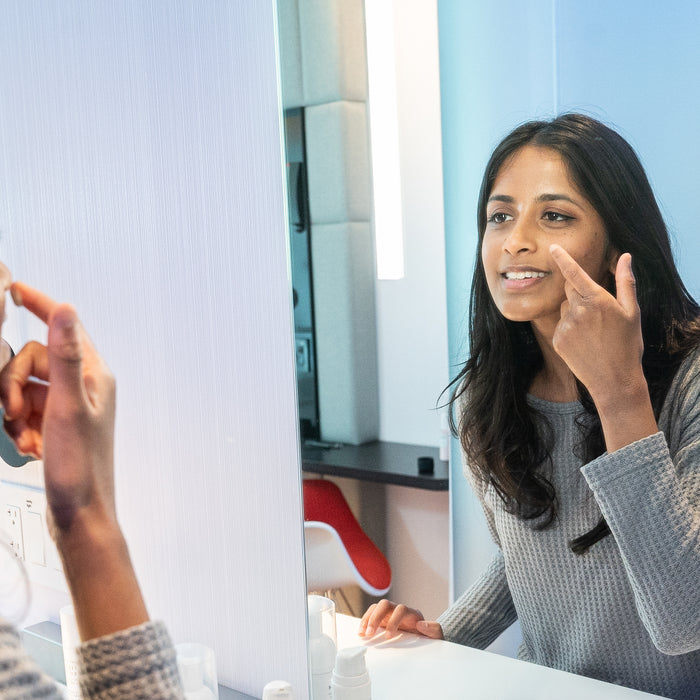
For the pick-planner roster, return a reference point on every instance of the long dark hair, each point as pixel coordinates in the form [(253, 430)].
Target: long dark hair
[(497, 427)]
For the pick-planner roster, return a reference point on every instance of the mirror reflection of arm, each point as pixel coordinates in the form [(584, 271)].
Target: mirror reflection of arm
[(649, 493), (483, 611), (394, 617), (486, 608)]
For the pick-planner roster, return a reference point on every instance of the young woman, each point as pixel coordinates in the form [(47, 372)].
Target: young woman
[(578, 413)]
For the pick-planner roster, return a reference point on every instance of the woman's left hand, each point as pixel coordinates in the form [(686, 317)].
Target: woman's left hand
[(599, 335)]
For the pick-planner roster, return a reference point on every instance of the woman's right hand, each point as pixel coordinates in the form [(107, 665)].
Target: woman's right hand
[(394, 617), (59, 407), (59, 403)]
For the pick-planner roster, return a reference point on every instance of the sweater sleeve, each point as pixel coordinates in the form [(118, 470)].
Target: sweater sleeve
[(20, 677), (138, 663), (649, 493), (484, 611), (486, 608)]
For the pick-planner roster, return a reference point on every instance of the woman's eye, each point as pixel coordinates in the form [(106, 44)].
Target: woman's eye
[(555, 216), (499, 217)]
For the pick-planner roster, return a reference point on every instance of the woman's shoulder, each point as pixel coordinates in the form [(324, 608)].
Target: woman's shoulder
[(688, 373), (683, 396)]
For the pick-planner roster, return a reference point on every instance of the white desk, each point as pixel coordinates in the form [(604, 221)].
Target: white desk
[(413, 667)]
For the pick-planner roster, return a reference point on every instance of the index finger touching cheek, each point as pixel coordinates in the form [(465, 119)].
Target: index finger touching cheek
[(572, 271), (33, 300)]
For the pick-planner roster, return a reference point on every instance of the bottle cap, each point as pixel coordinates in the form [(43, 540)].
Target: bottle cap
[(350, 662)]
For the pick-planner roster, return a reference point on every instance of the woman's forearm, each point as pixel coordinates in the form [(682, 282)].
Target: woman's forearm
[(103, 585), (626, 414)]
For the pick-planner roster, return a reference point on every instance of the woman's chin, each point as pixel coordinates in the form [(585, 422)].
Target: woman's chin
[(525, 314)]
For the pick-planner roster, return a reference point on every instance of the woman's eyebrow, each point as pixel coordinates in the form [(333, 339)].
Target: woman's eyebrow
[(547, 197), (557, 197)]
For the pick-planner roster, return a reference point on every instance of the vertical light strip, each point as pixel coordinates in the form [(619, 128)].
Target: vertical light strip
[(384, 137), (555, 66)]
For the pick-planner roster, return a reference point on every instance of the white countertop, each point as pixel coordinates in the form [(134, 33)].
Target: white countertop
[(410, 666)]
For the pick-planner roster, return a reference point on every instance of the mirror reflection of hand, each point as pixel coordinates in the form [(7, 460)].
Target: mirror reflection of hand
[(5, 281), (394, 617), (599, 335)]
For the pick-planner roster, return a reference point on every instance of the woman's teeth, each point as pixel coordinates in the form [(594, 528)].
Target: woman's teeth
[(523, 275)]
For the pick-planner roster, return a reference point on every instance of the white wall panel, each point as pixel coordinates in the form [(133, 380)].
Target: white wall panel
[(412, 312), (141, 179)]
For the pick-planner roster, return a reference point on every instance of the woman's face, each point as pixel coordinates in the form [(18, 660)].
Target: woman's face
[(534, 203)]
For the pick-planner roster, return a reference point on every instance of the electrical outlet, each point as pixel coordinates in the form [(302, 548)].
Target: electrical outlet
[(13, 526), (24, 520)]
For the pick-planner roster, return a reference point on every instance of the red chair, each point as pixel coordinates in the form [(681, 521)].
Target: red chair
[(338, 551)]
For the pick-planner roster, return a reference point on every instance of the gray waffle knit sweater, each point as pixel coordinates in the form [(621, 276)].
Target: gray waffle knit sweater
[(135, 664), (627, 611)]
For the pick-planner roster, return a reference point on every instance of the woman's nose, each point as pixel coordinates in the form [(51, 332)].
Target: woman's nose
[(520, 239)]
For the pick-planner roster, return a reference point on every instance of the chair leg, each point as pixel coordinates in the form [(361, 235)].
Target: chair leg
[(347, 602)]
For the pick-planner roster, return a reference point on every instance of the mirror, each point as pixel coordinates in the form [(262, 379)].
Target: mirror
[(496, 74)]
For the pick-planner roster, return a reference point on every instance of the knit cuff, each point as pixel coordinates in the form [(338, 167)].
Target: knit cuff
[(485, 610), (137, 663), (613, 466)]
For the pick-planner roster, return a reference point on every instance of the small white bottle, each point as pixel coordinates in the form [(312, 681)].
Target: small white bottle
[(350, 677), (192, 677), (321, 658)]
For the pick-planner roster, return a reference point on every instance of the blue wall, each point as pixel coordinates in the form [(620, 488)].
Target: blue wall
[(631, 64), (635, 65)]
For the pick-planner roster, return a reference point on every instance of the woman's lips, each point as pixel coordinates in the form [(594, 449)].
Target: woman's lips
[(522, 279)]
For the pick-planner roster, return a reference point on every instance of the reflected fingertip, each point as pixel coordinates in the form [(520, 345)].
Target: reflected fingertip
[(16, 295)]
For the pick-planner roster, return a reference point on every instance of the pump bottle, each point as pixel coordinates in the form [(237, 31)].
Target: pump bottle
[(321, 658), (350, 677)]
